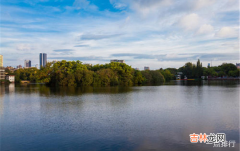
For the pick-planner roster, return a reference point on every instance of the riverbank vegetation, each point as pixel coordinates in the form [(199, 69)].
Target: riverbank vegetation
[(74, 73), (196, 71)]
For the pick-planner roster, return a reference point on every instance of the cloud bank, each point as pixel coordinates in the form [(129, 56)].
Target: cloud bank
[(157, 33)]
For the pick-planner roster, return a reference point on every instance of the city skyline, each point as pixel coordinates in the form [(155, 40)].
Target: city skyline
[(43, 61), (156, 33)]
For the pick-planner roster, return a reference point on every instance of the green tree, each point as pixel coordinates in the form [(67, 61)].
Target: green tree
[(234, 73), (157, 77), (147, 77), (138, 77), (167, 74), (210, 72), (198, 70), (187, 70), (226, 67), (221, 74), (172, 70), (153, 77), (87, 78), (191, 70), (107, 77)]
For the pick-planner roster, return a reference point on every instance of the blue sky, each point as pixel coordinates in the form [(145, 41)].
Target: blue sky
[(154, 33)]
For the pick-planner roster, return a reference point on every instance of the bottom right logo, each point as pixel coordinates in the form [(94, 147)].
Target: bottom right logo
[(218, 140)]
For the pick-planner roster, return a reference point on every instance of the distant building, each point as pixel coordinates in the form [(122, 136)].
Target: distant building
[(146, 68), (2, 73), (36, 66), (10, 68), (1, 60), (208, 65), (11, 78), (42, 59), (120, 61), (136, 68), (2, 70), (27, 63), (19, 66), (238, 65), (178, 75)]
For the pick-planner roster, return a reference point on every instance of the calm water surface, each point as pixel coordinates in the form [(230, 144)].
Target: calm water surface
[(37, 117)]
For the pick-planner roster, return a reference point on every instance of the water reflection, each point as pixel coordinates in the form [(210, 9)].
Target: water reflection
[(2, 91), (37, 117), (204, 82), (8, 89), (44, 90), (62, 91)]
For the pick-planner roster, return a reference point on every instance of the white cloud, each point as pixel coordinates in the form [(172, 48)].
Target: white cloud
[(143, 26), (24, 47), (118, 4), (146, 7), (203, 3), (143, 7), (190, 22), (205, 29), (226, 32), (177, 56), (125, 22), (84, 4), (80, 4)]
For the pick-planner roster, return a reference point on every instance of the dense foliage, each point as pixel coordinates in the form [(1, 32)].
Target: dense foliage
[(226, 69), (168, 74), (74, 73), (30, 74), (191, 70), (196, 71)]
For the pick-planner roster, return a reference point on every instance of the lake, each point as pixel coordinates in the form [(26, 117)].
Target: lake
[(37, 117)]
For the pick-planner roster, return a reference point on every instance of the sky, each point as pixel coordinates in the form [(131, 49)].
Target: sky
[(153, 33)]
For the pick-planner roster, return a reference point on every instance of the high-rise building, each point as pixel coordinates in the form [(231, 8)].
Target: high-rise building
[(27, 63), (42, 59), (1, 60), (2, 73), (208, 65), (2, 70)]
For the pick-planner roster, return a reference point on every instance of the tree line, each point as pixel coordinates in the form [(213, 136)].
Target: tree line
[(74, 73), (196, 71)]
